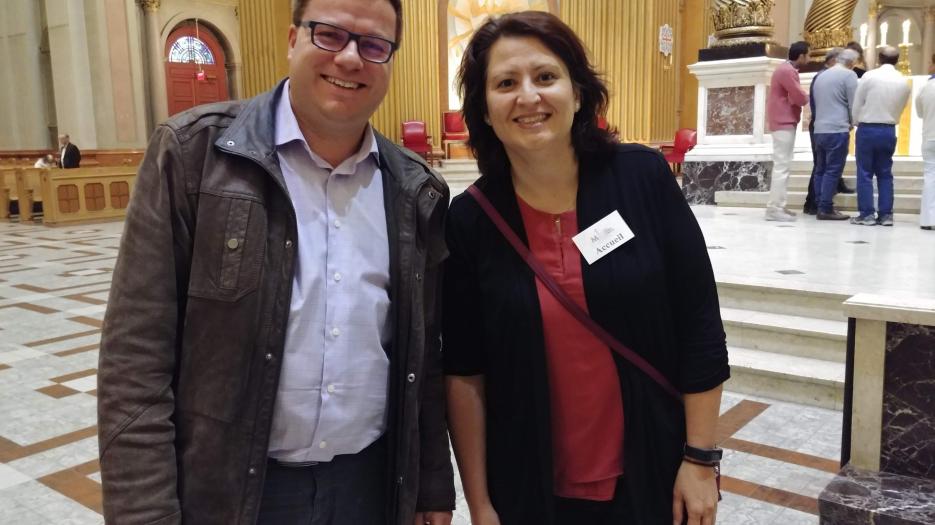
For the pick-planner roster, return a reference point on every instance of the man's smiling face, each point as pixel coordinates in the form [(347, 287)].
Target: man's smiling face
[(339, 90)]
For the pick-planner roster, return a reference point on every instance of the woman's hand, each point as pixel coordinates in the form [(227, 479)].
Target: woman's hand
[(695, 495), (484, 515)]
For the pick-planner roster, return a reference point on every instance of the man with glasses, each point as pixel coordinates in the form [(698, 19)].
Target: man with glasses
[(271, 348)]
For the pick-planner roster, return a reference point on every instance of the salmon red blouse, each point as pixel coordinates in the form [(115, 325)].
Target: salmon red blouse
[(584, 387)]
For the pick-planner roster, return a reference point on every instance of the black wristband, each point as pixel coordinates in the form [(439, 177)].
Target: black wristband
[(703, 456)]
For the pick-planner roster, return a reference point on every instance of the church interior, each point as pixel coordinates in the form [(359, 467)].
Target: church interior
[(830, 410)]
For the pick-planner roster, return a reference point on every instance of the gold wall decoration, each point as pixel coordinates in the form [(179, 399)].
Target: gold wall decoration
[(742, 21), (414, 87), (622, 38), (828, 24), (264, 32)]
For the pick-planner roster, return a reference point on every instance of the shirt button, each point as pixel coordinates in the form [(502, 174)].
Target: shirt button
[(233, 244), (335, 331), (269, 357), (251, 471), (330, 389), (323, 444), (418, 276), (337, 223), (337, 276), (288, 243), (411, 378)]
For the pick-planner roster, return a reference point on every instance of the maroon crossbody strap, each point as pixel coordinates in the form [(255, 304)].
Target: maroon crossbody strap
[(566, 301)]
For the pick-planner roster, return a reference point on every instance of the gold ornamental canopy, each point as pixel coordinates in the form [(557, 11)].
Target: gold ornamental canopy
[(742, 21), (828, 25)]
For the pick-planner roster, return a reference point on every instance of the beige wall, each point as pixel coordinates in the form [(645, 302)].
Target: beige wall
[(24, 116), (96, 88), (264, 25)]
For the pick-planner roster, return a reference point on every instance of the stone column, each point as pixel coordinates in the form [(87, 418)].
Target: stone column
[(870, 53), (156, 64), (928, 40)]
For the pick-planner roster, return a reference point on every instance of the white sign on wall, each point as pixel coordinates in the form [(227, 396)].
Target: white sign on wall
[(666, 40)]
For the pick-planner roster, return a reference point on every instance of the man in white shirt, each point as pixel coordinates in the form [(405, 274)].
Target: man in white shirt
[(881, 97), (925, 108)]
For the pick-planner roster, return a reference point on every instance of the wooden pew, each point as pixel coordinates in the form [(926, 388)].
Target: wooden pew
[(28, 190), (86, 194)]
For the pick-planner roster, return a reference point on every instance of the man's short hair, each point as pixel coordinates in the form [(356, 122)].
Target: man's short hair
[(847, 57), (856, 47), (798, 49), (298, 9), (889, 55), (833, 53)]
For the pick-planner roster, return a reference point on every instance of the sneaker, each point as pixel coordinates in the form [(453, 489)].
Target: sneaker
[(779, 215), (885, 220), (927, 227), (833, 215), (810, 210), (789, 212), (844, 190), (864, 220)]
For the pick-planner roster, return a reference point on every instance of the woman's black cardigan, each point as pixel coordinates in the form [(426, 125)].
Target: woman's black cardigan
[(656, 294)]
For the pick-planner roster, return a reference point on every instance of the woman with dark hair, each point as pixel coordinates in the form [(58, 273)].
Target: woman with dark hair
[(584, 376)]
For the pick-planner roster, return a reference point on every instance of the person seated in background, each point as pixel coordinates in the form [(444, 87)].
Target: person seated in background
[(46, 162)]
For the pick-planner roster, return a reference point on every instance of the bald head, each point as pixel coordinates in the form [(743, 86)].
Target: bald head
[(889, 55)]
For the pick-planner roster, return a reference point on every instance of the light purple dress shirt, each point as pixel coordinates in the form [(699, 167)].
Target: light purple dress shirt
[(333, 389)]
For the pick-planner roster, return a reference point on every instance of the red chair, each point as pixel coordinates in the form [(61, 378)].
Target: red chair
[(602, 122), (416, 139), (685, 140), (453, 130)]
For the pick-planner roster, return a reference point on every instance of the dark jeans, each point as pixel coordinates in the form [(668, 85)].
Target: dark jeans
[(876, 144), (348, 490), (832, 153), (811, 202)]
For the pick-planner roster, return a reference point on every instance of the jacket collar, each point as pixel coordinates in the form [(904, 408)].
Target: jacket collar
[(252, 135)]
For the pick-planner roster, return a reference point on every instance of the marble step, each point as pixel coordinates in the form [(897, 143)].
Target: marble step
[(804, 380), (902, 202), (797, 304), (908, 166), (786, 334), (904, 185)]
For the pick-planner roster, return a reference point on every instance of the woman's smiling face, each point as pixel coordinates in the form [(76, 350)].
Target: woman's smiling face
[(531, 101)]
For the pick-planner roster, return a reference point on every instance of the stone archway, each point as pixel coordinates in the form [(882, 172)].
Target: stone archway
[(195, 67)]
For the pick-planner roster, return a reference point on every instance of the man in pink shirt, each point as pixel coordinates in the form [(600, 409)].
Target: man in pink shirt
[(783, 112)]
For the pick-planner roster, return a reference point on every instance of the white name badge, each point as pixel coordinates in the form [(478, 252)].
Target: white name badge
[(603, 237)]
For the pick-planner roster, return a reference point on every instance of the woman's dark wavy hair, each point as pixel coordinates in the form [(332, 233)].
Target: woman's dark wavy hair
[(586, 137)]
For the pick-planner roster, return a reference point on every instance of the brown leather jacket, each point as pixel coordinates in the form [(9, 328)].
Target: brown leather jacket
[(194, 331)]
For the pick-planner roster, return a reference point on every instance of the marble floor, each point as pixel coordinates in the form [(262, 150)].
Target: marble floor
[(53, 292)]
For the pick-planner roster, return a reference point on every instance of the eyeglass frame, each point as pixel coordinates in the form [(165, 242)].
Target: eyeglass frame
[(351, 36)]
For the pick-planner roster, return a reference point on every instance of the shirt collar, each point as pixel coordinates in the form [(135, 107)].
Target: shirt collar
[(287, 130)]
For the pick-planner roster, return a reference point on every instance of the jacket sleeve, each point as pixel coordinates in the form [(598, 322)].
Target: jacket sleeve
[(436, 476), (139, 344), (702, 361)]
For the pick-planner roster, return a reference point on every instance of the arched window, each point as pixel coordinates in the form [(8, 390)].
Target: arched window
[(190, 50)]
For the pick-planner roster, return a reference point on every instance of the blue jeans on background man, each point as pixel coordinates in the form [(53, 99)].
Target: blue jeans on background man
[(876, 144), (831, 149)]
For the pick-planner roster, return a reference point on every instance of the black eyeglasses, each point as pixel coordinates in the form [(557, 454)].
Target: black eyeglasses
[(334, 39)]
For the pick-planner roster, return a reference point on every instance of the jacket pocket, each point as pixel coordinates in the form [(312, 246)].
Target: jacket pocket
[(229, 246)]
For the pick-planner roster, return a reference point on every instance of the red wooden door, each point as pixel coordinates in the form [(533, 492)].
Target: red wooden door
[(195, 72)]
